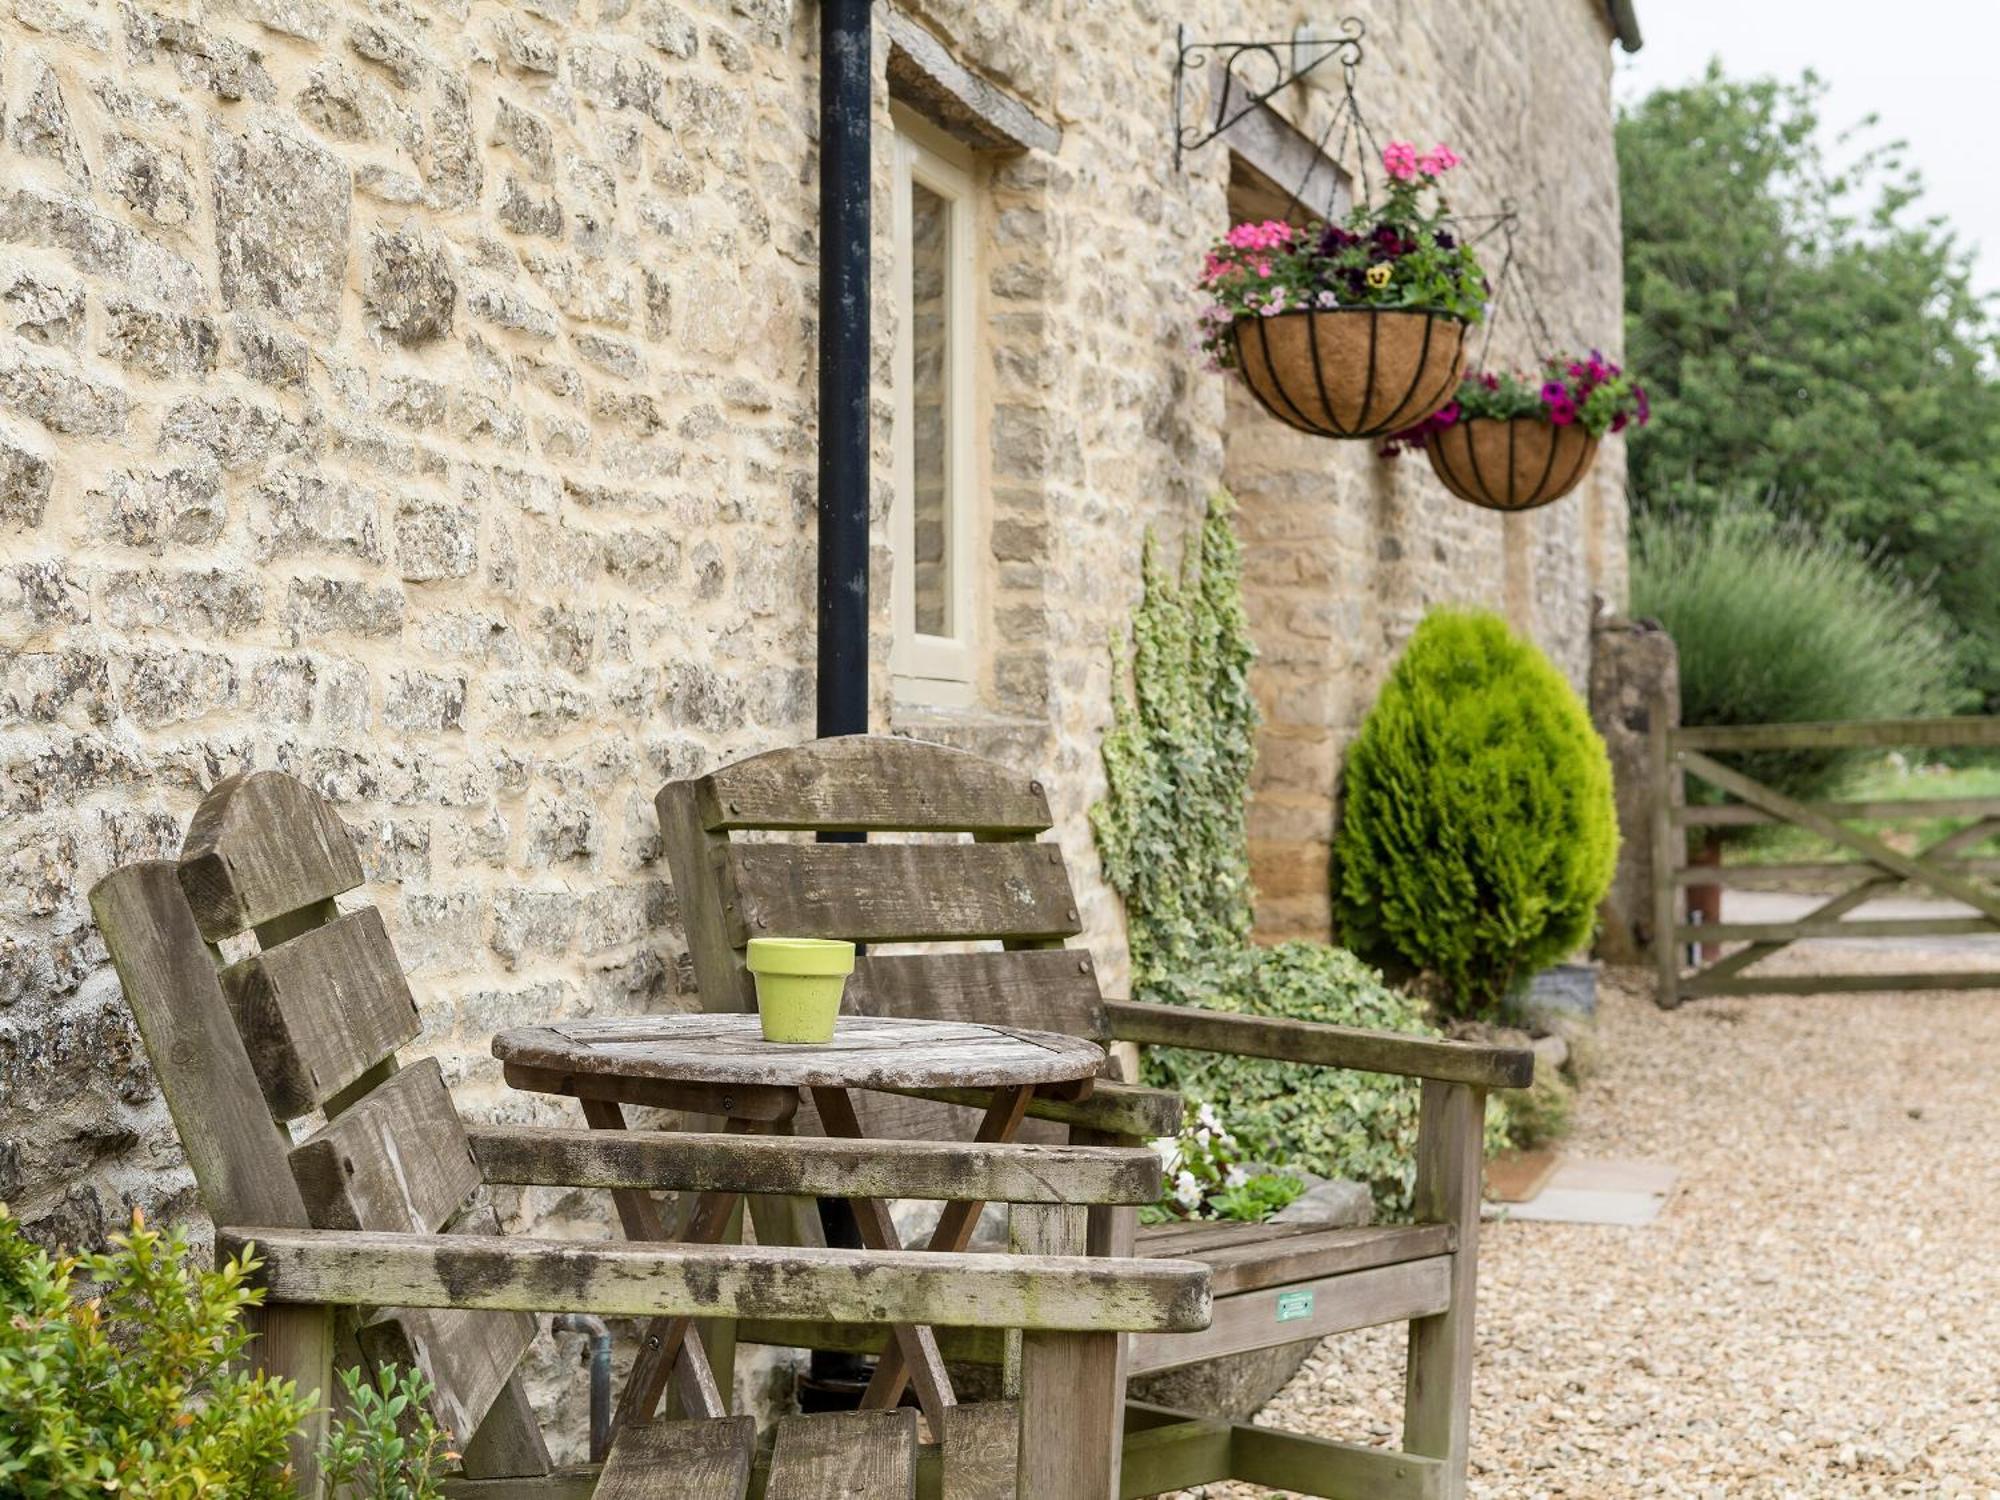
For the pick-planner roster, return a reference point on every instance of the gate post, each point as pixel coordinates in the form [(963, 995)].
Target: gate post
[(1668, 787)]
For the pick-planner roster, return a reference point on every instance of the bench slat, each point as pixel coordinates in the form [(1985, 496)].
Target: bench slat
[(872, 783), (979, 1450), (262, 844), (834, 1455), (1242, 1259), (886, 893), (1045, 989), (706, 1458), (319, 1010), (396, 1160)]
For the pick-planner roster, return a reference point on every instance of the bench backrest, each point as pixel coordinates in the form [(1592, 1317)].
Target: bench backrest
[(306, 1027), (1003, 884)]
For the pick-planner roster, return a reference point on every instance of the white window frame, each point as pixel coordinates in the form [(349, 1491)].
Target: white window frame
[(937, 668)]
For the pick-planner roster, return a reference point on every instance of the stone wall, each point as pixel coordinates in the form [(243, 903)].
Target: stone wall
[(417, 396)]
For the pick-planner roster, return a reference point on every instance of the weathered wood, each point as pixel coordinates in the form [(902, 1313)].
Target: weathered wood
[(1394, 1293), (768, 1104), (917, 1345), (398, 1160), (508, 1443), (978, 1459), (699, 1459), (866, 1052), (694, 856), (1703, 987), (834, 1454), (1669, 854), (1437, 1396), (1803, 930), (1806, 874), (1072, 1400), (1116, 1109), (1867, 845), (888, 893), (262, 844), (1320, 1466), (1045, 989), (873, 784), (1268, 1255), (1849, 734), (813, 1166), (1173, 1454), (973, 1346), (617, 1279), (1736, 815), (235, 1149), (1318, 1043), (577, 1482), (321, 1009)]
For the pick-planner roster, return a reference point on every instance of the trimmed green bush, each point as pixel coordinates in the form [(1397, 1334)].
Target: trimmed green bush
[(1477, 826), (1778, 625)]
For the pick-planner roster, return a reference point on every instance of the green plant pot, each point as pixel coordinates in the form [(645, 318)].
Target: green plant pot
[(799, 984)]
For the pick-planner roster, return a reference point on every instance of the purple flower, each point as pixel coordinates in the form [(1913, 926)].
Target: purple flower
[(1334, 239), (1554, 391), (1445, 241), (1562, 412), (1446, 414)]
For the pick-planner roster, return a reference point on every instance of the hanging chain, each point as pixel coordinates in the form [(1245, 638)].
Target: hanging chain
[(1514, 276)]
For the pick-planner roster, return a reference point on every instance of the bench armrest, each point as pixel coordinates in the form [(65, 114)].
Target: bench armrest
[(636, 1279), (1321, 1044), (1111, 1108), (814, 1166)]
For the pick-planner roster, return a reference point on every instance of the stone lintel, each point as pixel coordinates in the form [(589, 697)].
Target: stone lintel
[(924, 75)]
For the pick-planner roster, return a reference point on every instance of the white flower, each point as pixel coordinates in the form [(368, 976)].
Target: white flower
[(1328, 299), (1207, 1116), (1187, 1191), (1168, 1148), (1235, 1177)]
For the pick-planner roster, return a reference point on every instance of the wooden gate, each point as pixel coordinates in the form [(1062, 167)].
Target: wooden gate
[(1872, 869)]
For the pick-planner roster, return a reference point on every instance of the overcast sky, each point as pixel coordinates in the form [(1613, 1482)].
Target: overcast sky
[(1929, 68)]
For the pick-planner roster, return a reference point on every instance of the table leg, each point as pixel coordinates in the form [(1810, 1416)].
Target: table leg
[(669, 1346), (916, 1344), (954, 1230)]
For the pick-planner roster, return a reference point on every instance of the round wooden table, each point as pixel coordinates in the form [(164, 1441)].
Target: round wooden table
[(720, 1064)]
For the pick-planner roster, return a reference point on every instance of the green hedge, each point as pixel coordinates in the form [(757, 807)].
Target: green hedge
[(1478, 832)]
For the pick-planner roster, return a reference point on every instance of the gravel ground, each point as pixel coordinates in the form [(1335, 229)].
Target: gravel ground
[(1817, 1311)]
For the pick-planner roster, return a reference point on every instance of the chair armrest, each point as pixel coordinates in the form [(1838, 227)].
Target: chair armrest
[(635, 1279), (1317, 1043), (813, 1166), (1111, 1108)]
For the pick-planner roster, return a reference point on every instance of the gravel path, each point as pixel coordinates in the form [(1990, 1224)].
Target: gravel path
[(1817, 1312)]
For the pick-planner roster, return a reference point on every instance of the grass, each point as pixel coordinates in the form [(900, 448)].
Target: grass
[(1891, 778)]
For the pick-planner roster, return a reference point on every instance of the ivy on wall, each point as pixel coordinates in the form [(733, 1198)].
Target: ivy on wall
[(1172, 835)]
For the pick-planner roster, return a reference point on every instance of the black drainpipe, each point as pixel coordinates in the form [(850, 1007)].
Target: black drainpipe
[(846, 172), (846, 102)]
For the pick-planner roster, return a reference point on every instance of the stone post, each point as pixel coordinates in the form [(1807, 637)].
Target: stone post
[(1634, 681)]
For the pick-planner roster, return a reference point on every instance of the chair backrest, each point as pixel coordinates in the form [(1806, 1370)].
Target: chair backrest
[(308, 1025), (1003, 885)]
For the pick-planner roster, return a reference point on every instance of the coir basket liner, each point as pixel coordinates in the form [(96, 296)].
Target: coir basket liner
[(1351, 372), (1517, 464)]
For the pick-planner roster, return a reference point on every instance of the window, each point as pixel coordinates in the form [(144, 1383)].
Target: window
[(937, 477)]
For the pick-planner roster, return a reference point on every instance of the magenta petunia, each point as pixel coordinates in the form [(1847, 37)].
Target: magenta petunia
[(1554, 391), (1562, 413)]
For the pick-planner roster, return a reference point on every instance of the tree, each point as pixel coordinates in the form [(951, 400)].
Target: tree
[(1809, 339)]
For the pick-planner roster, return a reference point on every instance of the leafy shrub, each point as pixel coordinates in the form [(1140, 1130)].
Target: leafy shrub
[(386, 1446), (1778, 625), (1327, 1120), (1540, 1114), (1477, 827), (129, 1387), (1171, 834), (1209, 1177)]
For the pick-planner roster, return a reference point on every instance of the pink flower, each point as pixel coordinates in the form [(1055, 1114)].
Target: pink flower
[(1446, 414), (1399, 160), (1562, 412), (1439, 160), (1269, 235)]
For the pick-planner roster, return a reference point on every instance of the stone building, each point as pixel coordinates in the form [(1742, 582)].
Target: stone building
[(417, 396)]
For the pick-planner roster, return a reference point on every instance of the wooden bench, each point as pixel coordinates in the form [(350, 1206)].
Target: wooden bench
[(361, 1188), (1273, 1285)]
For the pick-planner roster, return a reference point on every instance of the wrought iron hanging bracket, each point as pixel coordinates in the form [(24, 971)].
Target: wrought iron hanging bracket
[(1253, 73)]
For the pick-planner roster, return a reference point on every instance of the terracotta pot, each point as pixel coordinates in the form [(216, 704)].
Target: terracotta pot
[(1351, 372), (1517, 464)]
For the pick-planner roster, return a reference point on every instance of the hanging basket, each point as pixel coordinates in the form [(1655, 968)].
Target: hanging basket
[(1516, 464), (1350, 372)]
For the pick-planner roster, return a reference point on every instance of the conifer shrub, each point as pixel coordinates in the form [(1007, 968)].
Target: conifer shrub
[(1477, 829)]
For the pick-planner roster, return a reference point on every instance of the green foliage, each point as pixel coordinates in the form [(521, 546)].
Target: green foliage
[(1540, 1114), (1811, 340), (1778, 625), (1255, 1199), (126, 1386), (1171, 834), (386, 1446), (1330, 1121), (1208, 1176), (1478, 832)]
